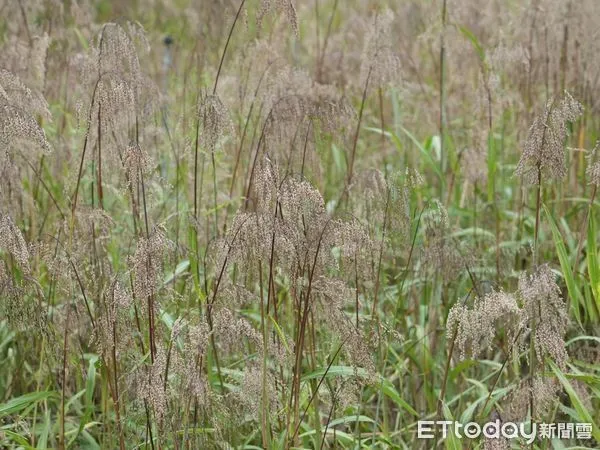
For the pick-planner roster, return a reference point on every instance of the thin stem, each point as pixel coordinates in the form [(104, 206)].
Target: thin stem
[(99, 183), (442, 115), (381, 247), (196, 145), (491, 391), (245, 132), (85, 142), (305, 148), (538, 208), (326, 40), (26, 23), (312, 397), (264, 394), (303, 318), (214, 168), (442, 395), (227, 45), (61, 443), (44, 185), (328, 420), (355, 140), (495, 383), (356, 293), (357, 131), (116, 387), (584, 227)]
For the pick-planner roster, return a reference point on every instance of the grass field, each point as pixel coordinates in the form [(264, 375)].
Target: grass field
[(298, 224)]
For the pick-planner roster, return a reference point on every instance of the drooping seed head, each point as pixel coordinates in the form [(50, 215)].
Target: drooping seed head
[(543, 153)]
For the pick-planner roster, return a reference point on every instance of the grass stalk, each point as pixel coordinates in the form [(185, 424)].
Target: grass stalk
[(442, 95)]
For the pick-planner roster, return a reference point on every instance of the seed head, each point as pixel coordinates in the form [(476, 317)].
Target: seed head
[(14, 91), (186, 359), (17, 125), (215, 122), (149, 384), (440, 253), (543, 391), (379, 61), (476, 328), (545, 307), (17, 306), (116, 51), (281, 6), (136, 163), (543, 154), (112, 325), (12, 241), (251, 392), (147, 262), (474, 162), (592, 171)]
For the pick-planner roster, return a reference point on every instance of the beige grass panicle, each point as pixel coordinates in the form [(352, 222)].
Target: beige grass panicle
[(543, 152), (544, 305)]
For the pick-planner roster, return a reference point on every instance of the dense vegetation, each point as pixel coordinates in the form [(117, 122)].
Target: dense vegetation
[(278, 224)]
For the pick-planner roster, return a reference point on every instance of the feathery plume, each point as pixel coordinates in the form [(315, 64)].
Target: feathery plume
[(476, 328), (136, 163), (543, 152), (379, 61), (544, 305), (147, 262), (215, 122), (592, 171), (17, 93), (13, 242), (282, 6)]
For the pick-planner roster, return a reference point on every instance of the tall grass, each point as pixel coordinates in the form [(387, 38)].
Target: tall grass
[(288, 224)]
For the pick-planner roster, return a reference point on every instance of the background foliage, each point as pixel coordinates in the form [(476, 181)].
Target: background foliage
[(255, 224)]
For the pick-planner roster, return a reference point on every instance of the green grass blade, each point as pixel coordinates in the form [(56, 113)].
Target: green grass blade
[(390, 391), (451, 442), (14, 405), (90, 385), (592, 262), (574, 293), (584, 415), (396, 140), (43, 440)]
